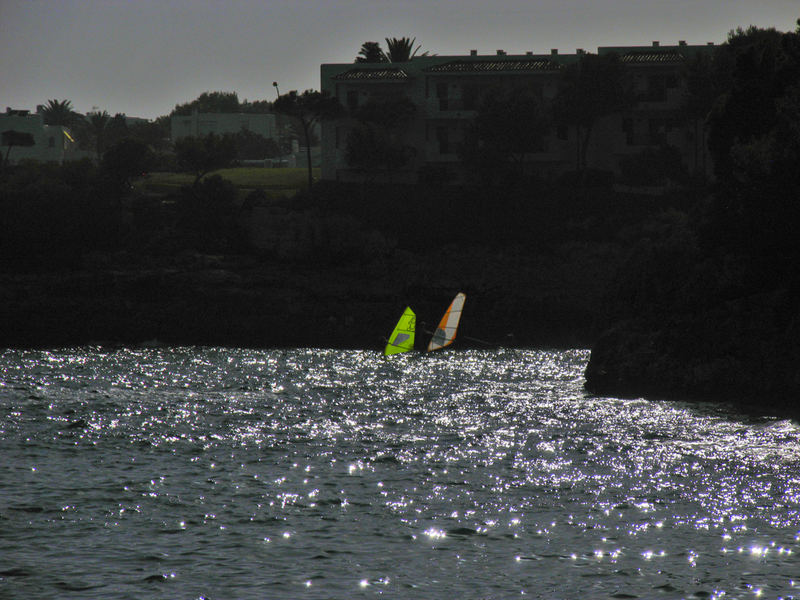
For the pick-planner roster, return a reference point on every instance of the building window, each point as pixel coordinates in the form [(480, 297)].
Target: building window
[(441, 94), (352, 99), (443, 138), (471, 95), (627, 129), (656, 88)]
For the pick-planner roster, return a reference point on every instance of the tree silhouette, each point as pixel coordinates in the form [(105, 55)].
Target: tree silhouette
[(116, 130), (702, 91), (376, 143), (253, 146), (307, 109), (153, 133), (509, 125), (201, 155), (371, 53), (402, 49), (13, 138), (397, 50), (756, 66), (127, 159), (210, 102), (97, 129), (754, 140), (591, 88), (59, 112)]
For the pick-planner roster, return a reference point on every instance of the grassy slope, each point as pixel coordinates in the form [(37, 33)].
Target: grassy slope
[(275, 182)]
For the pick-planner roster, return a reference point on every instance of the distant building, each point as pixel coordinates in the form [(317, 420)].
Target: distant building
[(447, 91), (201, 124), (52, 143)]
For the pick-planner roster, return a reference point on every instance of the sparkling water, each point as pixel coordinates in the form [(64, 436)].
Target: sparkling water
[(228, 473)]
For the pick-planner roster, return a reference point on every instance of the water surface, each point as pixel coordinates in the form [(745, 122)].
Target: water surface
[(223, 473)]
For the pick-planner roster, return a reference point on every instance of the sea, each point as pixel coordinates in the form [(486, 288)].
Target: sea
[(224, 473)]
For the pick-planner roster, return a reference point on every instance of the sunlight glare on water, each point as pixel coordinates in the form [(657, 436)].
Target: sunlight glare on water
[(209, 472)]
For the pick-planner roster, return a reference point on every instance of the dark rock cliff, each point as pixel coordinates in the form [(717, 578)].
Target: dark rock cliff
[(745, 350)]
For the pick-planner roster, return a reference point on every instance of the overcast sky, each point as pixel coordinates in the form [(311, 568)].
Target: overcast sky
[(142, 57)]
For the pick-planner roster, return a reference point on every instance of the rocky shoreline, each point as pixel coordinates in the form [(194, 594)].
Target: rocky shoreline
[(744, 351), (200, 299)]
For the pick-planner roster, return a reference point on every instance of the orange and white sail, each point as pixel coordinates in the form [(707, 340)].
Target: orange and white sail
[(446, 331)]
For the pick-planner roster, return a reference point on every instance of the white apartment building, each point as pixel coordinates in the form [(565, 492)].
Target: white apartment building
[(447, 90), (201, 124), (52, 143)]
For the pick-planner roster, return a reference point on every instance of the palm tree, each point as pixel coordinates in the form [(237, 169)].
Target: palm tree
[(97, 124), (371, 53), (402, 49), (58, 112)]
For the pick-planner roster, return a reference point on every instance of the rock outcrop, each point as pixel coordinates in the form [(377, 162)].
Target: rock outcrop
[(746, 350)]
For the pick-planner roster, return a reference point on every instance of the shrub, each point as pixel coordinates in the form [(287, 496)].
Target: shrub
[(326, 238), (653, 167), (206, 215)]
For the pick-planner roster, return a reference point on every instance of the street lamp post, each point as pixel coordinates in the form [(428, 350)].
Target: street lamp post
[(278, 124)]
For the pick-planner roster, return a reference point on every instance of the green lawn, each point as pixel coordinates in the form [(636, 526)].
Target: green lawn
[(275, 182)]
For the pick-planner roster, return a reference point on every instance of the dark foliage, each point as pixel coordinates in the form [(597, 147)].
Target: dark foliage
[(591, 88), (209, 102), (253, 146), (127, 159), (402, 49), (59, 112), (397, 50), (207, 216), (221, 102), (376, 145), (305, 110), (755, 143), (52, 215), (201, 155), (13, 138), (653, 166), (371, 53), (154, 134), (509, 125), (706, 304)]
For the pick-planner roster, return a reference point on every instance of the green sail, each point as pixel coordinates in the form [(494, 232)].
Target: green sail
[(402, 338)]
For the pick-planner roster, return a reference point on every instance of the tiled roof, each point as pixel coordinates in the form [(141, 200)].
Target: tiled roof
[(483, 66), (652, 57), (387, 74)]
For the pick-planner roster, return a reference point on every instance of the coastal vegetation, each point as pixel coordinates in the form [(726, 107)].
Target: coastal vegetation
[(692, 292), (283, 182), (306, 110), (707, 306), (88, 259)]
